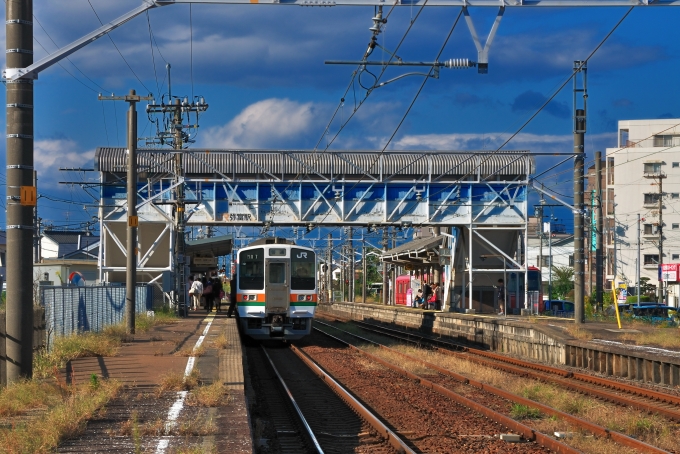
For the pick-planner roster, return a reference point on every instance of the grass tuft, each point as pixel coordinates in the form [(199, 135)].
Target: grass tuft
[(63, 416), (521, 412), (214, 395), (178, 382), (191, 351), (71, 347)]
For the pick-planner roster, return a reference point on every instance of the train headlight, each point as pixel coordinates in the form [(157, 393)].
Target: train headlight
[(253, 297), (301, 297)]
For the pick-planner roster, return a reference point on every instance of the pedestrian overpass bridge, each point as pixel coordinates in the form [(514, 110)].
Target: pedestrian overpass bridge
[(479, 196)]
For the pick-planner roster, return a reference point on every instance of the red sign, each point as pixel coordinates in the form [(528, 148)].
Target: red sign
[(669, 272)]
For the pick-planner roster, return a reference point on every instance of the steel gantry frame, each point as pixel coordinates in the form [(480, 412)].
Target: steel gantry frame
[(20, 73), (481, 194)]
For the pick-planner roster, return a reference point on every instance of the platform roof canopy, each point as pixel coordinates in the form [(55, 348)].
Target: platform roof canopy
[(217, 246), (416, 253)]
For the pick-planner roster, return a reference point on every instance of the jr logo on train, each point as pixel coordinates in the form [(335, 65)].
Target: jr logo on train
[(276, 291)]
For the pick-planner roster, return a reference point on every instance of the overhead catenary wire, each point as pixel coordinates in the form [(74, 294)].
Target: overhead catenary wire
[(118, 50)]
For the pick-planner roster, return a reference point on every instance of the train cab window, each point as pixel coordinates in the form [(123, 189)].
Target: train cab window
[(277, 273), (251, 269), (303, 269)]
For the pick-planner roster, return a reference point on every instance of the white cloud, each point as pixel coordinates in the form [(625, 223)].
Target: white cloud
[(51, 154), (490, 141), (269, 123)]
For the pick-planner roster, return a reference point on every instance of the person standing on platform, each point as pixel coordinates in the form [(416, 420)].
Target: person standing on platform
[(217, 292), (207, 294), (501, 297), (437, 296), (196, 291), (232, 295)]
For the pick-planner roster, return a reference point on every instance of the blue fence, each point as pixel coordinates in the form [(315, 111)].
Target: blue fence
[(76, 309)]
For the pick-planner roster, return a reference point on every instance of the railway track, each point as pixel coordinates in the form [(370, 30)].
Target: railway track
[(427, 415), (641, 398), (301, 410), (575, 421)]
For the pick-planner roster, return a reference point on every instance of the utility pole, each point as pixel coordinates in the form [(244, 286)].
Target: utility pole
[(579, 132), (637, 264), (329, 273), (176, 135), (598, 232), (21, 194), (386, 280), (351, 267), (660, 232), (132, 219), (363, 273)]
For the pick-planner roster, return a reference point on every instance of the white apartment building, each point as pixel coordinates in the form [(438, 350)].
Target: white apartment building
[(648, 153)]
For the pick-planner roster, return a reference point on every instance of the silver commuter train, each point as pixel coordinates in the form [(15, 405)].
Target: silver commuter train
[(276, 291)]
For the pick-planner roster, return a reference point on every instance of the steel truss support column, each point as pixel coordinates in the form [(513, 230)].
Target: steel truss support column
[(20, 217), (579, 132)]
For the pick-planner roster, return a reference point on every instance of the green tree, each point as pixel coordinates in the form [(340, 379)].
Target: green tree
[(563, 281)]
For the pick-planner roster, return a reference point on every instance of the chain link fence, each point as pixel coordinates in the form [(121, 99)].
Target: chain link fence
[(70, 310)]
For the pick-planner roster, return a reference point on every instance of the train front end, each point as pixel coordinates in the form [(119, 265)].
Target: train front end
[(276, 292)]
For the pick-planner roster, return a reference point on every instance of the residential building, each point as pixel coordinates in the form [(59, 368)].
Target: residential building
[(643, 178), (58, 243), (554, 247)]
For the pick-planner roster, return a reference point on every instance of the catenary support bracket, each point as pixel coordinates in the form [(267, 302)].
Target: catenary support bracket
[(483, 52)]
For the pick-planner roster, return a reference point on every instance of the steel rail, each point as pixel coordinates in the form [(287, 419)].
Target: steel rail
[(526, 431), (310, 433), (392, 438), (564, 381), (579, 422)]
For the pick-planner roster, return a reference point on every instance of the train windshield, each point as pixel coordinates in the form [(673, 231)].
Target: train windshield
[(251, 269), (302, 263)]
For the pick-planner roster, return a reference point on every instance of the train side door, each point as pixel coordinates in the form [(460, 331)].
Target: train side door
[(277, 285)]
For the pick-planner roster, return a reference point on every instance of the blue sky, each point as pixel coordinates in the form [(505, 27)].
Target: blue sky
[(261, 69)]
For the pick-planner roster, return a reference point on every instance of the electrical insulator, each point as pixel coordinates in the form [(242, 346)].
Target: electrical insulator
[(458, 63)]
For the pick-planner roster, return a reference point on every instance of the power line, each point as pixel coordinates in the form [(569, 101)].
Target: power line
[(119, 52)]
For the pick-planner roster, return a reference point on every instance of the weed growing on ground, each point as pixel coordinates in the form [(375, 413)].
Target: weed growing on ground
[(191, 351), (71, 347), (578, 333), (220, 342), (213, 395), (178, 382), (520, 412), (63, 417), (26, 395)]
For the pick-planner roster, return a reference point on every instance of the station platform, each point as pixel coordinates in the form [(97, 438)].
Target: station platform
[(142, 364), (600, 347)]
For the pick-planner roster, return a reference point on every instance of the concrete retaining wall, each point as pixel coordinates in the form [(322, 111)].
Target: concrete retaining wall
[(525, 340)]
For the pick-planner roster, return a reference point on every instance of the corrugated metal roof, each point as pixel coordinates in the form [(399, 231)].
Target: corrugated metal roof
[(334, 164)]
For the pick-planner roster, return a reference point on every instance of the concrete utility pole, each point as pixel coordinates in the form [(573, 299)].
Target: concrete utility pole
[(363, 272), (177, 137), (598, 233), (637, 265), (21, 194), (579, 132), (351, 267), (659, 230), (386, 279), (329, 273), (132, 219)]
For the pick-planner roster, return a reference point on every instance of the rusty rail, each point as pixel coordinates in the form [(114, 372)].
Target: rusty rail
[(593, 428), (365, 413), (526, 431), (502, 362)]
